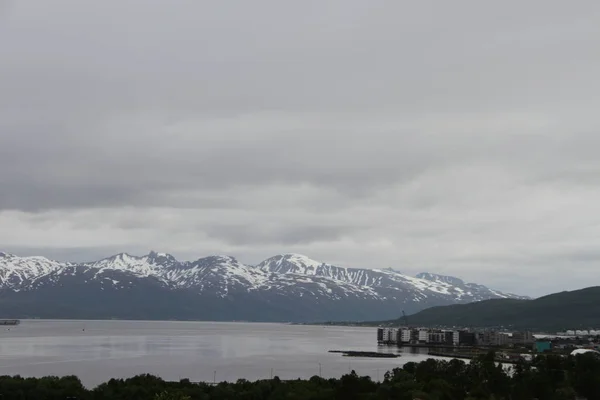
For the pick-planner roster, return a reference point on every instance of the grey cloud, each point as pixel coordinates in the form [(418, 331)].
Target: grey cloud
[(271, 233), (144, 166), (456, 137), (72, 254)]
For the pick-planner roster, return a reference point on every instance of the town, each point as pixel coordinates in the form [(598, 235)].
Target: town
[(464, 343), (440, 337)]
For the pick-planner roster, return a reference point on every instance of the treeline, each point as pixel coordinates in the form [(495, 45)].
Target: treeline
[(548, 377)]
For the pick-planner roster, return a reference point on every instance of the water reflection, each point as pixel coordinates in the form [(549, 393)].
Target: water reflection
[(175, 350), (415, 350)]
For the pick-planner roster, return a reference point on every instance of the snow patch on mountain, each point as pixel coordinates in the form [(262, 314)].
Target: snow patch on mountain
[(140, 266), (291, 263), (18, 271)]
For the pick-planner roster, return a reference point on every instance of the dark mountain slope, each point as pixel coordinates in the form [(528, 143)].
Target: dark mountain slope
[(579, 309)]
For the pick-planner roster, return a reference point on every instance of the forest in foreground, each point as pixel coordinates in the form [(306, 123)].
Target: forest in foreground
[(548, 377)]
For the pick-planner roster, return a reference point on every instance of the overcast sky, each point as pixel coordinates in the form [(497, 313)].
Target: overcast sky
[(456, 137)]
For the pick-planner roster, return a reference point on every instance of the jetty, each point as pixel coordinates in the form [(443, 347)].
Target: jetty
[(371, 354)]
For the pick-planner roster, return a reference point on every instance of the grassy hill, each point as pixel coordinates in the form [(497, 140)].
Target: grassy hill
[(579, 309)]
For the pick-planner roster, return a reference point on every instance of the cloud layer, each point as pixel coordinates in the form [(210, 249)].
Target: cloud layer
[(455, 138)]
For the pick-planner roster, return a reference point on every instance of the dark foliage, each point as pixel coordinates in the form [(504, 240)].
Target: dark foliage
[(548, 377)]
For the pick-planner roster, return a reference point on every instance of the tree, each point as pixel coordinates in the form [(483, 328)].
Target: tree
[(170, 396)]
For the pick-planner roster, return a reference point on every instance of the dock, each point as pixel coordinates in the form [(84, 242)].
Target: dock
[(370, 354)]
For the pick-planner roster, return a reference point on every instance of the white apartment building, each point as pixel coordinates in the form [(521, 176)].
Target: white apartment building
[(405, 335), (423, 336), (456, 338)]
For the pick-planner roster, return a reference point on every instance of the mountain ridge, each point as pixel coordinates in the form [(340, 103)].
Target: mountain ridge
[(285, 287), (576, 309)]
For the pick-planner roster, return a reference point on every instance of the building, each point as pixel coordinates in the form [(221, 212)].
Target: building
[(393, 336), (448, 337), (423, 336), (524, 338), (542, 345), (436, 337), (501, 339), (406, 336), (494, 338), (440, 337), (388, 335), (466, 338)]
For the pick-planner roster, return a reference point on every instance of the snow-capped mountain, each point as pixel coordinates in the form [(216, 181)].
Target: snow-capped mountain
[(287, 287)]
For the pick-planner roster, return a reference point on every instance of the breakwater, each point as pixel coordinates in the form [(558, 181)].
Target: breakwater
[(373, 354)]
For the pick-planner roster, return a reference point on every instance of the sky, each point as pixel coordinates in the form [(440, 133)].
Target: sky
[(459, 138)]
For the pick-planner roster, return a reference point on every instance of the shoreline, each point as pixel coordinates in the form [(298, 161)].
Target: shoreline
[(463, 356)]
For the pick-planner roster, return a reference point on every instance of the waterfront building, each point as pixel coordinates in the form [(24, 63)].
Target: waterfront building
[(494, 338), (464, 338), (406, 336), (436, 337), (423, 336), (393, 336), (386, 336), (523, 338)]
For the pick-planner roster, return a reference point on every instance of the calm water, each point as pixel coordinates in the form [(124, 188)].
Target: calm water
[(194, 350)]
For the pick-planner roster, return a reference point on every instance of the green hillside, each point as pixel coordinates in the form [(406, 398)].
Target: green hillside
[(579, 309)]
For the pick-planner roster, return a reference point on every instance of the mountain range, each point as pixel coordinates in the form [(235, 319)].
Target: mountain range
[(286, 287)]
